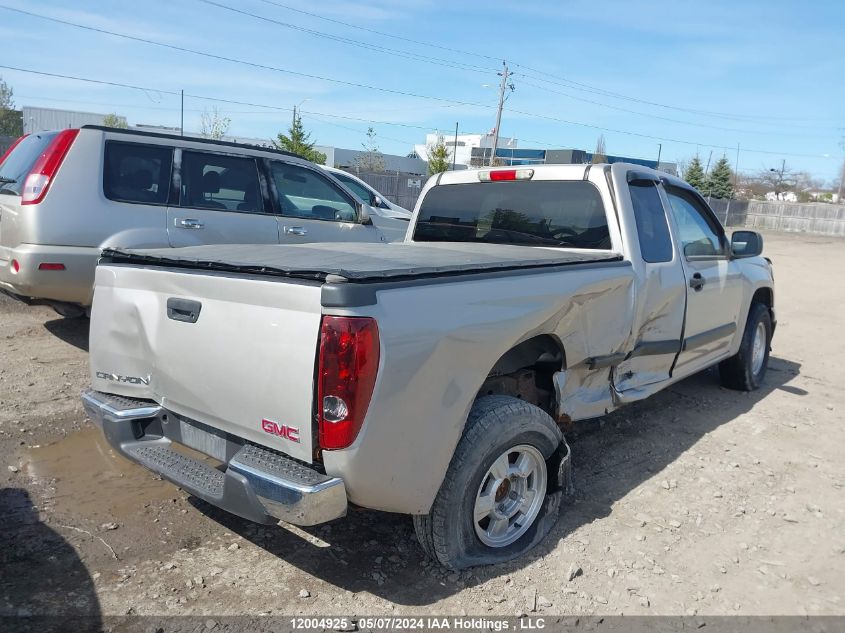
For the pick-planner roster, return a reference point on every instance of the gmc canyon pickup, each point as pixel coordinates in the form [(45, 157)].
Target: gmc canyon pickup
[(433, 377)]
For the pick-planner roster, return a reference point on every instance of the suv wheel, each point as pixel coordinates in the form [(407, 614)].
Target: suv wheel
[(501, 494)]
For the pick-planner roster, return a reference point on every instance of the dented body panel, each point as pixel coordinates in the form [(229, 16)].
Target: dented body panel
[(611, 328)]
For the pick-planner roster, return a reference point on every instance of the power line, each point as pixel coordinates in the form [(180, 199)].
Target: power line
[(375, 47), (382, 33), (616, 95), (569, 83), (652, 116), (234, 60), (524, 113)]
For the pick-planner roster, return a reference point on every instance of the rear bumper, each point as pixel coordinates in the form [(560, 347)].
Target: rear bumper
[(74, 284), (254, 483)]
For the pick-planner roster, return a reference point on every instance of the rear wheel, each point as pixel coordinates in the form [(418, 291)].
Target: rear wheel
[(746, 370), (500, 496)]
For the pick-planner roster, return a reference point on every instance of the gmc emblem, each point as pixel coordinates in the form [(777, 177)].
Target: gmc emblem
[(282, 430)]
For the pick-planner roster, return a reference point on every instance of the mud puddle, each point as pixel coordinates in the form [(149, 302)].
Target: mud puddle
[(82, 475)]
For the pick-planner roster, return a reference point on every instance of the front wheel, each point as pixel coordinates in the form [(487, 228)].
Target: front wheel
[(502, 492), (746, 370)]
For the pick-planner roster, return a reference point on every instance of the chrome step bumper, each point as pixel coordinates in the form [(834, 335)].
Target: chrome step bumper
[(257, 484)]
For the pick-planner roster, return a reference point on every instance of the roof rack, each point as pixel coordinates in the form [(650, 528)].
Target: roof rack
[(193, 139)]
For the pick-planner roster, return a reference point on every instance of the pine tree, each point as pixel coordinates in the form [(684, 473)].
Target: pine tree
[(438, 157), (719, 183), (694, 173), (298, 141)]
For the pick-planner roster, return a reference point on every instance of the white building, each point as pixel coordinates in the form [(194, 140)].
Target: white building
[(462, 150)]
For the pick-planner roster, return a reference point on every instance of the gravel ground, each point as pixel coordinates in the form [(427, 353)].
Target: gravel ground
[(698, 501)]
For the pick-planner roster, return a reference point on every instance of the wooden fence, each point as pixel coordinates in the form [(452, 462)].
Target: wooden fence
[(813, 217)]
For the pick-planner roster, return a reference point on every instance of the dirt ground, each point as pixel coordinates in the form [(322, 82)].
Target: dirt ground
[(698, 501)]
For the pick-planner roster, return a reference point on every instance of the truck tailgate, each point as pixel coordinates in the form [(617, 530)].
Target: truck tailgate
[(235, 353)]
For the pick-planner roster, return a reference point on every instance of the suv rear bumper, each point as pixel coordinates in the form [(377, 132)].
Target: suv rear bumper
[(257, 484), (74, 284)]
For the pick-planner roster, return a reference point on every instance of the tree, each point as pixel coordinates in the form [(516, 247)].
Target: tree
[(599, 156), (780, 181), (214, 124), (298, 141), (719, 183), (372, 159), (11, 121), (694, 173), (113, 120), (438, 157)]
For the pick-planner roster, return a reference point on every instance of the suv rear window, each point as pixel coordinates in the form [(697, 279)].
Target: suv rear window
[(532, 213), (137, 173), (18, 164)]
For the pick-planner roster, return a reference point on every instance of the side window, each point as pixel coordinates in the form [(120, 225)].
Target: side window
[(699, 235), (137, 173), (215, 181), (652, 228), (355, 187), (303, 193)]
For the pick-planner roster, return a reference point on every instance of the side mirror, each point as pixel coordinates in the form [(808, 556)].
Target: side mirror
[(746, 244), (364, 214), (377, 201)]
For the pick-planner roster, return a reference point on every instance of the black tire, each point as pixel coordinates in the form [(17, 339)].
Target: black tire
[(496, 424), (737, 372)]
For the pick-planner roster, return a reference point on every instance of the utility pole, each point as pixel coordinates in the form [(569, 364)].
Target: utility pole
[(455, 147), (659, 152), (182, 119), (736, 168), (293, 120), (841, 183), (502, 87)]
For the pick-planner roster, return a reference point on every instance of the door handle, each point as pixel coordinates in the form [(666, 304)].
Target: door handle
[(697, 282), (296, 230), (183, 309), (188, 223)]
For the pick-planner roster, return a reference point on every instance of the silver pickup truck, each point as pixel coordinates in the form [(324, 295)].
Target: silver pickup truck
[(433, 377)]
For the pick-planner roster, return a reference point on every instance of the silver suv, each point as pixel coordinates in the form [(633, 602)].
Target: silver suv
[(66, 195)]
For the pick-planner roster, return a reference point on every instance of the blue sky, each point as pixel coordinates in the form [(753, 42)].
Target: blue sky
[(700, 75)]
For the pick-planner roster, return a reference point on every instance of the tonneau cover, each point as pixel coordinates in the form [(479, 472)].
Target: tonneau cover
[(358, 262)]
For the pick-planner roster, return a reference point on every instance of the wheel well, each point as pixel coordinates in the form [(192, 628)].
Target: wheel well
[(526, 371), (764, 296)]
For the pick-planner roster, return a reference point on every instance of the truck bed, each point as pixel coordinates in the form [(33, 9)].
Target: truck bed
[(358, 262)]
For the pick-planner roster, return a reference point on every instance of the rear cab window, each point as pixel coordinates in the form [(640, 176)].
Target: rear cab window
[(652, 227), (134, 172), (560, 213), (219, 181), (303, 193), (17, 165)]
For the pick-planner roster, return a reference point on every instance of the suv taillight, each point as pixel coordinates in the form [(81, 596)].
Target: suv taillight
[(11, 148), (346, 375), (46, 166)]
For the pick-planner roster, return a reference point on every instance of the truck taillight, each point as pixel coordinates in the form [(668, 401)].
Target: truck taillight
[(46, 166), (346, 375), (11, 149)]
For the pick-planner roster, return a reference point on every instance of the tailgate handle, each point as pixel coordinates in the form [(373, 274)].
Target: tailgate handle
[(183, 310)]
